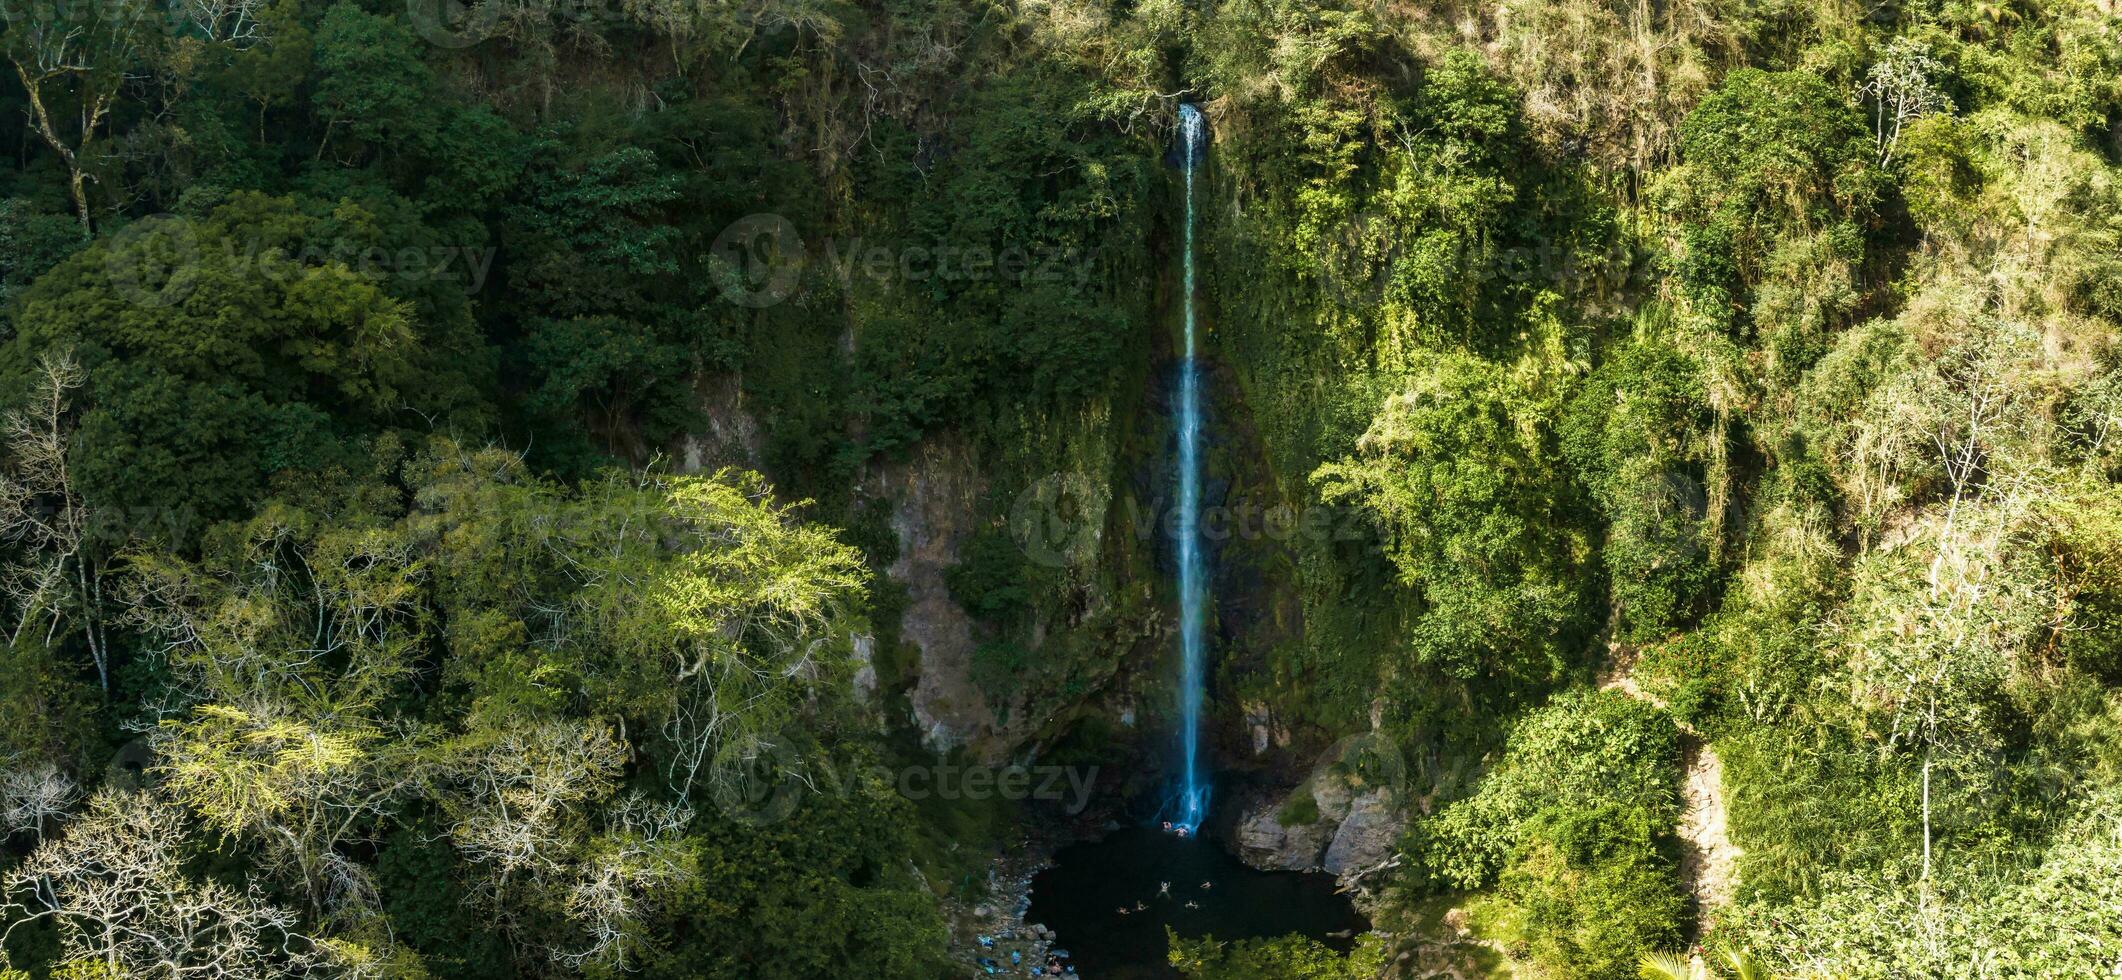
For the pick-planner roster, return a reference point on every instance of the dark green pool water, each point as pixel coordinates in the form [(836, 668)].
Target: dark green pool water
[(1082, 895)]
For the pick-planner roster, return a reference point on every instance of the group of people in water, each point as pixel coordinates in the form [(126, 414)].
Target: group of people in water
[(1055, 962), (1164, 891)]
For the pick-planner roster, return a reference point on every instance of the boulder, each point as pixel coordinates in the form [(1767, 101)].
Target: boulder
[(1366, 835), (1265, 842), (1332, 793)]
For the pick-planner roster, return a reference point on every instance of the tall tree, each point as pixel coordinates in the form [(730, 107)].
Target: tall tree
[(74, 58)]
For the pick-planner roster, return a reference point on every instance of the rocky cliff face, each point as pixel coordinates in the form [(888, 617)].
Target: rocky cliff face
[(934, 499), (731, 436), (1364, 838), (1096, 634), (1336, 820), (1264, 841)]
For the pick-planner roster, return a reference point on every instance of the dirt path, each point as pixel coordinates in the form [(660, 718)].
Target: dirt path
[(1709, 862)]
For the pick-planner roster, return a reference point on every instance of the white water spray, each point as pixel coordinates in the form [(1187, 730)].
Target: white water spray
[(1193, 585)]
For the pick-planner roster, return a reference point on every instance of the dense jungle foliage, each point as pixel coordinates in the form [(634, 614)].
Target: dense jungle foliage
[(457, 455)]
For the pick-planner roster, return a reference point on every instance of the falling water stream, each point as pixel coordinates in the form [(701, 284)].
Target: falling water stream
[(1112, 901), (1193, 587)]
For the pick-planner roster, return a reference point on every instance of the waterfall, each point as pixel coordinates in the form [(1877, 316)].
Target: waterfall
[(1193, 585)]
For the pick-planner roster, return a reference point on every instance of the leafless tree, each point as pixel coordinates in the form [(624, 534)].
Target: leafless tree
[(521, 807), (54, 579), (302, 785), (331, 620), (34, 794), (77, 54), (617, 880), (512, 794), (114, 886), (235, 23), (1938, 621), (1900, 89)]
